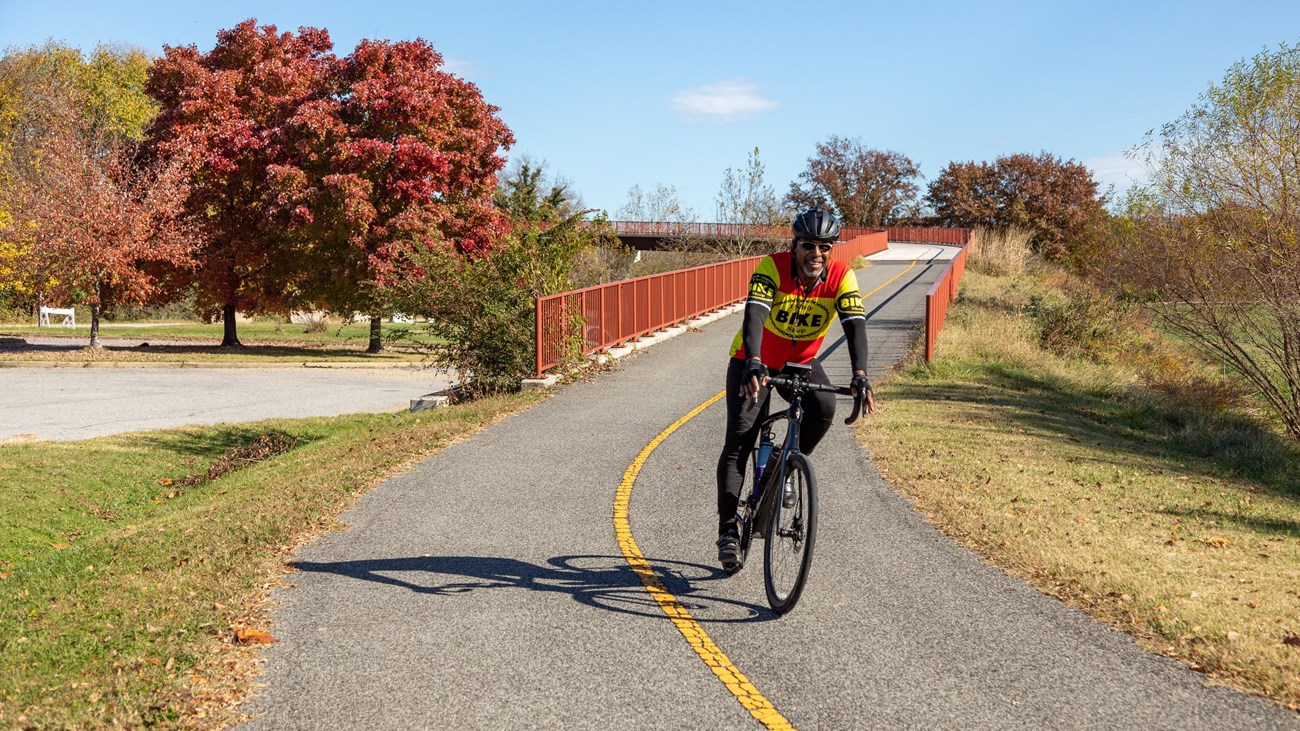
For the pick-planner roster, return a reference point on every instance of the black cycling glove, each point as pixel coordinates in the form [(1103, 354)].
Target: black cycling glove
[(860, 384), (754, 369)]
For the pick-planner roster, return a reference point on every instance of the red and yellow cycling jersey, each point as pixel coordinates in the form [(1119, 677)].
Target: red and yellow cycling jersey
[(797, 321)]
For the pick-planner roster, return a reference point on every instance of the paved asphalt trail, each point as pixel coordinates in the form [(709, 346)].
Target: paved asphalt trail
[(484, 589)]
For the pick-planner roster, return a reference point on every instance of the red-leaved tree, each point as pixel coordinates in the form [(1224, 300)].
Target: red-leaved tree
[(402, 157), (1057, 200), (103, 229), (237, 114), (862, 185)]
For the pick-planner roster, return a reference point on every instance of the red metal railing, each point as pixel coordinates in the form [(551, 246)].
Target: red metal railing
[(599, 317), (939, 298), (930, 235)]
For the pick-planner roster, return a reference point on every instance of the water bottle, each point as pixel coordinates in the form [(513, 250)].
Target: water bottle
[(773, 465), (764, 452)]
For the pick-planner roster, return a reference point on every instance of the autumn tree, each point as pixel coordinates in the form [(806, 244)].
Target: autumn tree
[(1211, 244), (102, 227), (1056, 200), (51, 91), (237, 115), (863, 186), (402, 156)]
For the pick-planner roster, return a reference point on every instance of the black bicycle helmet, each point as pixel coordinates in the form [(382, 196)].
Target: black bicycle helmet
[(816, 224)]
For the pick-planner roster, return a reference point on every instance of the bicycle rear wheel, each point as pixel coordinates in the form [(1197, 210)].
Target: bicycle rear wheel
[(791, 533)]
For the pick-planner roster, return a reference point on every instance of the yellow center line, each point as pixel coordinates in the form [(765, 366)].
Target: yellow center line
[(712, 655)]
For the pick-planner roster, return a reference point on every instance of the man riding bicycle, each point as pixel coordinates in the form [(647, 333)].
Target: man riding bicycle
[(792, 295)]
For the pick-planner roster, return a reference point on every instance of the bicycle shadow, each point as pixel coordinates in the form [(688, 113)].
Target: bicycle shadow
[(602, 582)]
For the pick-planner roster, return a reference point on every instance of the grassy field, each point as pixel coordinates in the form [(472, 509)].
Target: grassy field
[(134, 569), (207, 355), (255, 331), (195, 342), (1075, 450)]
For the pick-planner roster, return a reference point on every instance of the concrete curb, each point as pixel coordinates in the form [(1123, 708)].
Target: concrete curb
[(435, 400)]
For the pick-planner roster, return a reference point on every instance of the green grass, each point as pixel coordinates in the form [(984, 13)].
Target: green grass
[(263, 342), (210, 354), (256, 331), (123, 587), (1109, 469)]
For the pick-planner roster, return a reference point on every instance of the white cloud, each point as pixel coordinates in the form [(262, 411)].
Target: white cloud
[(1116, 170), (460, 67), (725, 101)]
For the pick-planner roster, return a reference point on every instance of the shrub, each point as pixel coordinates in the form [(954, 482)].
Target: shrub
[(1084, 322), (315, 322), (482, 311), (602, 264), (1189, 382)]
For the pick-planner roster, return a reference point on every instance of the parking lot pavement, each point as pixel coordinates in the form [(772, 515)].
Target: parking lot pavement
[(62, 404)]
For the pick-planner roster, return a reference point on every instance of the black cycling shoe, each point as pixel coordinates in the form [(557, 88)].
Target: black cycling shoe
[(729, 552)]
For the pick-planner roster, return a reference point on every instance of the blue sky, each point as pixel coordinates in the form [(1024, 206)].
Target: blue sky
[(614, 94)]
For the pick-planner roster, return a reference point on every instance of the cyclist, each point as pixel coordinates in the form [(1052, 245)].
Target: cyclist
[(792, 296)]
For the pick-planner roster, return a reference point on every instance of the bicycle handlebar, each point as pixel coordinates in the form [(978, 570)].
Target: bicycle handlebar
[(803, 385)]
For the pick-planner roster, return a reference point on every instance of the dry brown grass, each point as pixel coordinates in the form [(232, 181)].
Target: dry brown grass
[(1177, 522), (1000, 251)]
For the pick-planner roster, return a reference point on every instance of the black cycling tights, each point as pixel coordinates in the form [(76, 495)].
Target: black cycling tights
[(742, 431)]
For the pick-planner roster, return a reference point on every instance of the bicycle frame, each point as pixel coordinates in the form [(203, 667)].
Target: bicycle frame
[(797, 381), (760, 512), (793, 416)]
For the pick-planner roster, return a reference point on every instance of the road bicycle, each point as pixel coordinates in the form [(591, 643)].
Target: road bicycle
[(780, 505)]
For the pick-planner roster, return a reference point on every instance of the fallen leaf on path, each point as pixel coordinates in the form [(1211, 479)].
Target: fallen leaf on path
[(253, 637)]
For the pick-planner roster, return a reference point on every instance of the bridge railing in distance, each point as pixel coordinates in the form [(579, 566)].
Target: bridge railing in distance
[(930, 235), (669, 229), (600, 317), (938, 299)]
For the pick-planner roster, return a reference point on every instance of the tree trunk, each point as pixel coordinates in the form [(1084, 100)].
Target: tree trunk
[(94, 326), (230, 339), (376, 343)]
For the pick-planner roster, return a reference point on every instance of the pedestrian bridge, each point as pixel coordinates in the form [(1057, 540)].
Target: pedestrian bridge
[(655, 235)]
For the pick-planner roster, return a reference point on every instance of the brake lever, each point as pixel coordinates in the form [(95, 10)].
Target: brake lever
[(857, 407)]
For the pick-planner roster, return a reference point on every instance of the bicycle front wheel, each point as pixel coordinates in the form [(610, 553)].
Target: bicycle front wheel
[(791, 533)]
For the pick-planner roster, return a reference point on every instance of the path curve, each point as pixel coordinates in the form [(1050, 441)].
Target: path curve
[(486, 589)]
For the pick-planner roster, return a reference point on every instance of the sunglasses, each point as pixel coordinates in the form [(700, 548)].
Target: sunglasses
[(810, 245)]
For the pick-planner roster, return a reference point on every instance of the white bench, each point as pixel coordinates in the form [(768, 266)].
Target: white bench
[(69, 316)]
